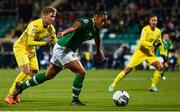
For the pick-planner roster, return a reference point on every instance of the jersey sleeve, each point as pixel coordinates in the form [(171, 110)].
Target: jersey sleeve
[(34, 43), (55, 39)]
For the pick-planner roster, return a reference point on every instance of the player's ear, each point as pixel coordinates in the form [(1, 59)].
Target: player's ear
[(95, 16)]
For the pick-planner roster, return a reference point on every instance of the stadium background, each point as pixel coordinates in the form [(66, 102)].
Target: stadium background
[(120, 35)]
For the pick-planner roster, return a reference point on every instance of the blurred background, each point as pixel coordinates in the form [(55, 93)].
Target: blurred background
[(119, 37)]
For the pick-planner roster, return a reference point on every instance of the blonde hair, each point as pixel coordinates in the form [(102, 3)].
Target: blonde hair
[(47, 9)]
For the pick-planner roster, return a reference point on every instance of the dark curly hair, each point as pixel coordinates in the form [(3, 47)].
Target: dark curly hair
[(100, 10)]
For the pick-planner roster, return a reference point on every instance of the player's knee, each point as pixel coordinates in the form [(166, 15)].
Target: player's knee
[(165, 65), (26, 71), (127, 70), (159, 67), (82, 72)]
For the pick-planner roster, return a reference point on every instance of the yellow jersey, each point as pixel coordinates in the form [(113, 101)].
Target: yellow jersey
[(34, 34), (149, 37)]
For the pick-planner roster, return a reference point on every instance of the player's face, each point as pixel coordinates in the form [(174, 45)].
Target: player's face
[(100, 21), (50, 18), (166, 37), (153, 21)]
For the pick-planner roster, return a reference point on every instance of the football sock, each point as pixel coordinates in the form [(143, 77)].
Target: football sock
[(164, 70), (77, 85), (35, 80), (20, 78), (156, 78), (118, 78)]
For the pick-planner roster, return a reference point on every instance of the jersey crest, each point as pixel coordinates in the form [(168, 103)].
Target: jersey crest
[(156, 35), (86, 21), (33, 30), (90, 34)]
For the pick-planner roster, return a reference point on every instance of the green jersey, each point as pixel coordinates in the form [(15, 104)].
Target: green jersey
[(74, 39), (167, 46)]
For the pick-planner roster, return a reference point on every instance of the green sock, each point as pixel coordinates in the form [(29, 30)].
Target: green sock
[(35, 80), (77, 85), (164, 70)]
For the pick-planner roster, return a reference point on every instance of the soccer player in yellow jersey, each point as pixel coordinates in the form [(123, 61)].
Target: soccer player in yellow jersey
[(24, 47), (150, 37)]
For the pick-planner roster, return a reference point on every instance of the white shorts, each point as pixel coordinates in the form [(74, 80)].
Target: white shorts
[(62, 56), (160, 59)]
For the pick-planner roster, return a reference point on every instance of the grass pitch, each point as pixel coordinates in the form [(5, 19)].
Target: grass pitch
[(55, 95)]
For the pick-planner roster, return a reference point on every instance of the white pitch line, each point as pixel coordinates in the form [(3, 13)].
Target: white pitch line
[(107, 79)]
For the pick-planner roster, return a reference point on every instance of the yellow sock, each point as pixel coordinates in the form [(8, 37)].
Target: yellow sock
[(156, 78), (20, 78), (118, 78)]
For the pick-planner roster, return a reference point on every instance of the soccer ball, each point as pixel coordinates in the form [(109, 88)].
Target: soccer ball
[(121, 98)]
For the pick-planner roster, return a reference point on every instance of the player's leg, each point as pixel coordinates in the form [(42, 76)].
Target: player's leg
[(165, 65), (39, 78), (135, 60), (34, 68), (119, 77), (53, 69), (27, 70), (76, 67), (156, 76), (23, 63), (165, 68), (22, 76)]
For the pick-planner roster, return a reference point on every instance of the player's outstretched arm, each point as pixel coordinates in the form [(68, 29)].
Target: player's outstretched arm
[(31, 41), (76, 26)]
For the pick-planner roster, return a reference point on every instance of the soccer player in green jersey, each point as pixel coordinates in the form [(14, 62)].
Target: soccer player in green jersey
[(167, 46), (64, 53)]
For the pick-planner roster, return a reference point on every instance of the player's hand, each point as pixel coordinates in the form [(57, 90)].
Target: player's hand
[(51, 37), (165, 65), (156, 44), (100, 55), (60, 34)]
